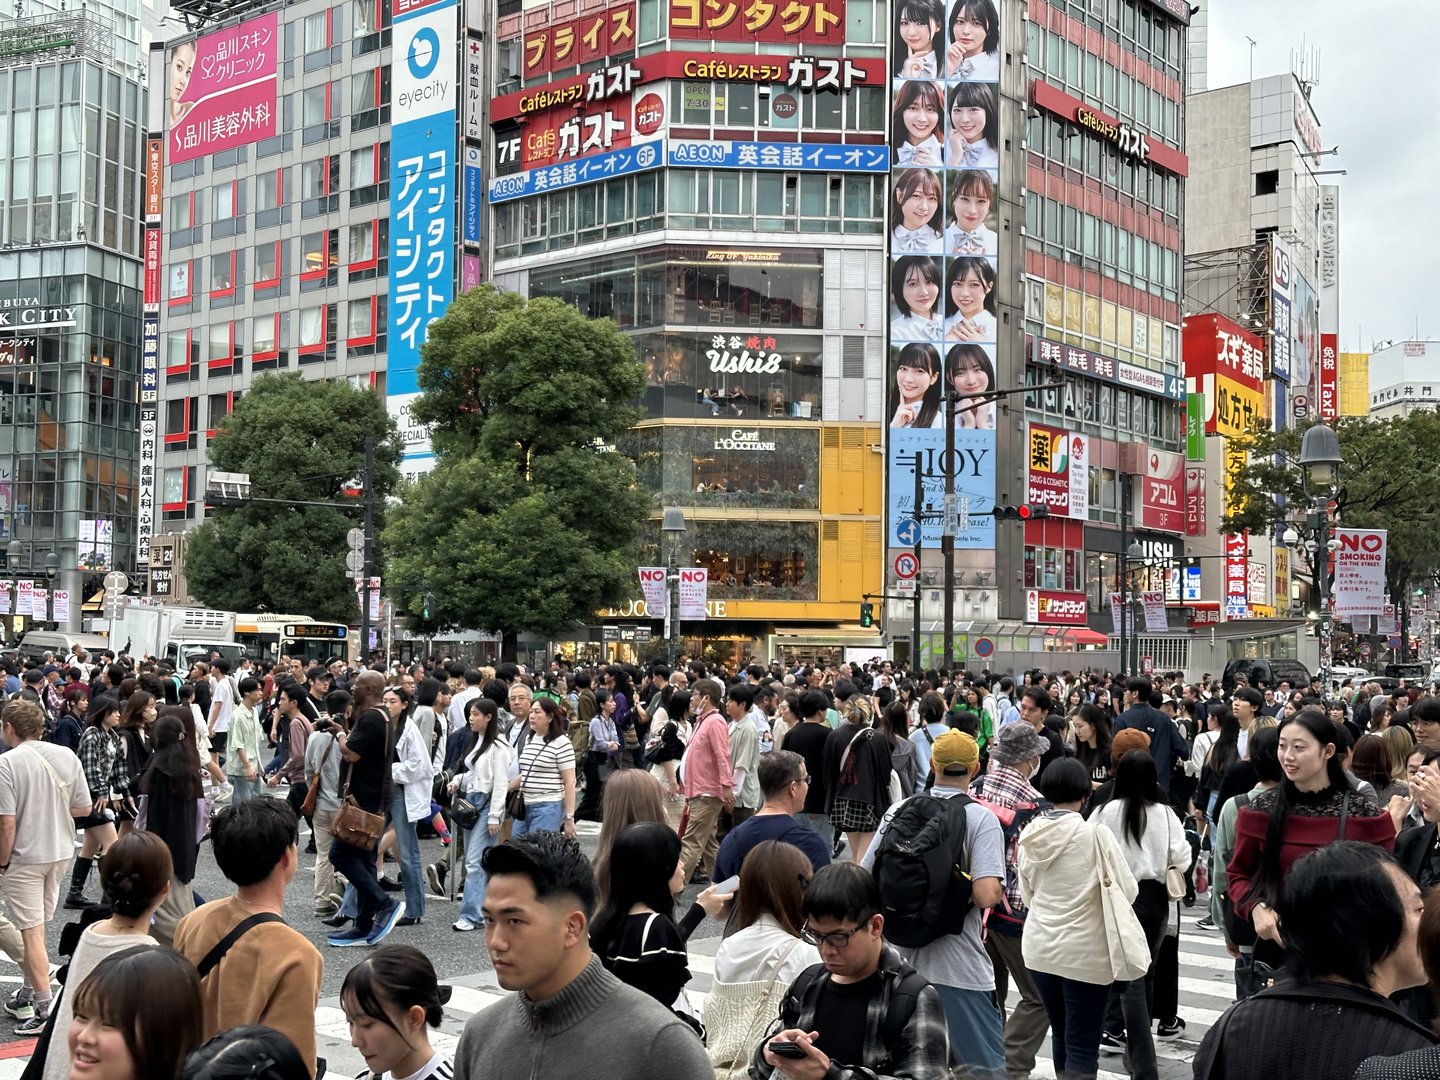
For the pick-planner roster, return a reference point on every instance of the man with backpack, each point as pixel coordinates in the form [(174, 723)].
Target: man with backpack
[(939, 862), (863, 1012), (1006, 791)]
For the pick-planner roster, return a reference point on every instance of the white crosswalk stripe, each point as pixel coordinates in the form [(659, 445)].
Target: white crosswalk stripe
[(1206, 989)]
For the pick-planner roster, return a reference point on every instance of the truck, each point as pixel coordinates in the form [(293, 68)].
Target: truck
[(177, 634)]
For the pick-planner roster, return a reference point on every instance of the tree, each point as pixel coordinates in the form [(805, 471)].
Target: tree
[(1389, 479), (529, 521), (300, 441)]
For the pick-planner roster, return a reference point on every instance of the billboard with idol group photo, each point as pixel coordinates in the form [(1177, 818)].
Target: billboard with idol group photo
[(943, 254)]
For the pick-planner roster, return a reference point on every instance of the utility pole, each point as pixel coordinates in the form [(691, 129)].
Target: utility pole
[(947, 540), (919, 514), (369, 527)]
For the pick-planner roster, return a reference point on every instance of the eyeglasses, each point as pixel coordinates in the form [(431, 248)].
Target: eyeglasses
[(801, 780), (837, 939)]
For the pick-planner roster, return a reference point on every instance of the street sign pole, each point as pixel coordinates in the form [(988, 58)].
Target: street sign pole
[(917, 511)]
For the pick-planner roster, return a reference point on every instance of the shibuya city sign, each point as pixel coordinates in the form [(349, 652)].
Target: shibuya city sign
[(27, 313)]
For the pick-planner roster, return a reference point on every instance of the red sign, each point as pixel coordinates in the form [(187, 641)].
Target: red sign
[(1329, 377), (558, 46), (1237, 573), (1203, 613), (152, 269), (1213, 345), (649, 114), (1108, 128), (1162, 492), (809, 22), (1055, 608), (1194, 500), (796, 72)]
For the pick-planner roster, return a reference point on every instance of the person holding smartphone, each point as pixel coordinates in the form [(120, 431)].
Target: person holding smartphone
[(827, 1024)]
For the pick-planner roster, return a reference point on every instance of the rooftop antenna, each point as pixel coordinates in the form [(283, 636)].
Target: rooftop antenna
[(1252, 42)]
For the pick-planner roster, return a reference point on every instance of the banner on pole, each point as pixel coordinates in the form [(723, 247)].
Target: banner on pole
[(694, 590), (62, 605), (1359, 572), (1153, 600), (652, 586)]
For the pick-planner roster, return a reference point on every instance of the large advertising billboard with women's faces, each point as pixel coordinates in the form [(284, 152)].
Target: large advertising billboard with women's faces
[(943, 247), (220, 89)]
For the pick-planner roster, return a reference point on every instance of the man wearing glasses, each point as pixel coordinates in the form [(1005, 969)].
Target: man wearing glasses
[(784, 782), (865, 1008)]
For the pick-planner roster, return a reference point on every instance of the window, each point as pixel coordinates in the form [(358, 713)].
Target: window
[(222, 272), (177, 352), (315, 178), (360, 324), (361, 245), (219, 408), (183, 211), (220, 349), (315, 105), (180, 282), (222, 201), (312, 329), (318, 254), (172, 486), (264, 337), (269, 189), (1267, 182), (317, 32), (364, 167), (267, 263)]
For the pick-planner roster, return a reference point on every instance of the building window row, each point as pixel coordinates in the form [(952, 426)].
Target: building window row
[(1071, 146), (1063, 232), (733, 105), (1088, 76), (1135, 25), (1092, 407), (761, 201)]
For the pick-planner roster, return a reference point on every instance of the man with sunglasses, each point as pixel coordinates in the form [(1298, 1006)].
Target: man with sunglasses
[(862, 1011)]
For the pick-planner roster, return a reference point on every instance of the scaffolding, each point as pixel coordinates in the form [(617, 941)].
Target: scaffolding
[(55, 36)]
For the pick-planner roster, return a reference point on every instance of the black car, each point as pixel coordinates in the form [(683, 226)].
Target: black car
[(1270, 671), (1413, 674)]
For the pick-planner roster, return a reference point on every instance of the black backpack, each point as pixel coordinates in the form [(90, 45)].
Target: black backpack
[(922, 868)]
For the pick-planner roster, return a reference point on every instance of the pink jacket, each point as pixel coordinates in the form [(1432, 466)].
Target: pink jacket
[(706, 768)]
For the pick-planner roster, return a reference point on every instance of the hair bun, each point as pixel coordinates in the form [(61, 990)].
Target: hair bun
[(443, 992)]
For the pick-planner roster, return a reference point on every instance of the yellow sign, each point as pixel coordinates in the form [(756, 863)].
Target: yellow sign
[(1235, 462), (1282, 578), (1235, 407)]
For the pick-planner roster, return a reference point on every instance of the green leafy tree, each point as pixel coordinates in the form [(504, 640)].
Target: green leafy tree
[(300, 441), (1389, 479), (529, 521)]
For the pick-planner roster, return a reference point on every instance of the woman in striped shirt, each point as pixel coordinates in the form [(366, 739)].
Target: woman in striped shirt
[(546, 773)]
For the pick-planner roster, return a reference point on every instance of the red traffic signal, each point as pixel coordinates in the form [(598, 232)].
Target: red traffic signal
[(1022, 512)]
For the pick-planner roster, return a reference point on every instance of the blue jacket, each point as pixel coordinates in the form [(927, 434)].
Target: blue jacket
[(1167, 745)]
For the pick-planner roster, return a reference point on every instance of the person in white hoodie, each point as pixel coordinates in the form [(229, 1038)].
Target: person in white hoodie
[(761, 955), (1153, 840), (1075, 882)]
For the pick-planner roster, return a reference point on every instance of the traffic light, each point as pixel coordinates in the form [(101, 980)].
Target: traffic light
[(867, 614), (427, 606), (1023, 512)]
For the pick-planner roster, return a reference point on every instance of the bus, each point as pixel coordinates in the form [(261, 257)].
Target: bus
[(267, 636)]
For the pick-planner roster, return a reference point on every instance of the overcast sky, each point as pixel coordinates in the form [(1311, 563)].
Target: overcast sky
[(1379, 83)]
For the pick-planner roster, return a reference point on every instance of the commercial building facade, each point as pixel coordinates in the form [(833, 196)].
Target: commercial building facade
[(71, 175)]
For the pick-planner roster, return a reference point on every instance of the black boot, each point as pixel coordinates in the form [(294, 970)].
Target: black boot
[(79, 875)]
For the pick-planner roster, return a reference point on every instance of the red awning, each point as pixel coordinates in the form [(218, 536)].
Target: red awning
[(1083, 635)]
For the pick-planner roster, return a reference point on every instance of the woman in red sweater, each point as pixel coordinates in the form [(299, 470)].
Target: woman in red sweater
[(1313, 807)]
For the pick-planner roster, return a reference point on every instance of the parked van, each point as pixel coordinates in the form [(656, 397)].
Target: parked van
[(36, 643)]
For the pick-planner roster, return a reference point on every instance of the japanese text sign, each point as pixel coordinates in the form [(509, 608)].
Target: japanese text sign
[(795, 21), (221, 89), (694, 589), (1359, 572), (561, 45), (1058, 471)]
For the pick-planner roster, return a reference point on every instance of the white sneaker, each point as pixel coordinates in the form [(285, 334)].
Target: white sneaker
[(463, 926)]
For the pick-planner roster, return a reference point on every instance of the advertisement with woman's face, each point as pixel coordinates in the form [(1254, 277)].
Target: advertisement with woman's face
[(944, 255)]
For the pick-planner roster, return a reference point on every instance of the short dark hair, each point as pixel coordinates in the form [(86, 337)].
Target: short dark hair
[(251, 1051), (1264, 750), (252, 837), (1141, 686), (1039, 697), (292, 690), (1341, 912), (778, 770), (398, 976), (552, 861), (1064, 781), (743, 693), (843, 891), (1250, 694), (221, 665), (813, 703)]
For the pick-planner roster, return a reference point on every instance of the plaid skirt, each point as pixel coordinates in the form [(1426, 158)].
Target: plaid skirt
[(850, 815)]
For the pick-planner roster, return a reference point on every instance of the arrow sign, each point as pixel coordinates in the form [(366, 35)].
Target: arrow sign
[(907, 532), (906, 565)]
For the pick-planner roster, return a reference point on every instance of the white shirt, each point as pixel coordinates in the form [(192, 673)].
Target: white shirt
[(984, 67), (914, 327), (752, 954), (921, 241), (1161, 845), (456, 712), (982, 241), (977, 155), (983, 319)]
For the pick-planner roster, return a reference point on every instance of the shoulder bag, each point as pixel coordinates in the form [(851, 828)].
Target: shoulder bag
[(312, 793), (1125, 937), (515, 800), (735, 1014), (353, 825)]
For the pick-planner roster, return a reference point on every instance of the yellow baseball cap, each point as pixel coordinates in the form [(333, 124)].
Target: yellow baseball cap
[(954, 748)]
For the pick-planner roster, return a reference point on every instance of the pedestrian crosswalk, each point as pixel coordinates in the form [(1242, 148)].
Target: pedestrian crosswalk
[(1206, 989)]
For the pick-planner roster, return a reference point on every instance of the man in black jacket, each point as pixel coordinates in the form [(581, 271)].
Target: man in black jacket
[(1167, 745)]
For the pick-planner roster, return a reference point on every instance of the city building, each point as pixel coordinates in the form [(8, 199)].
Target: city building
[(1354, 384), (1262, 326), (1403, 376), (71, 393)]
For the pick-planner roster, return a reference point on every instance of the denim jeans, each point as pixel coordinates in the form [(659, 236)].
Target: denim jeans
[(821, 824), (977, 1032), (359, 869), (477, 841), (245, 790), (1077, 1014), (541, 817), (407, 847)]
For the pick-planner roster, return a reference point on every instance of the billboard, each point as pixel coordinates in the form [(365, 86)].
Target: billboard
[(1225, 366), (1359, 572), (798, 22), (943, 260), (220, 89), (1328, 378), (1057, 471), (423, 172), (1279, 311), (560, 44), (1162, 492)]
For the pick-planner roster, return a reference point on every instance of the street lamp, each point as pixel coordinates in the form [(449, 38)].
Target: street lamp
[(1133, 553), (1320, 459), (672, 526), (13, 554)]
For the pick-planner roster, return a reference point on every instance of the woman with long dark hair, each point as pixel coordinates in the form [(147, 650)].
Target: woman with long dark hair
[(1152, 841), (1213, 760), (1313, 807), (894, 725), (171, 786), (137, 715), (617, 681), (635, 934), (486, 772), (102, 756), (1092, 741)]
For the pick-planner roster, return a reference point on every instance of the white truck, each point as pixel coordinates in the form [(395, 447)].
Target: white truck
[(176, 634)]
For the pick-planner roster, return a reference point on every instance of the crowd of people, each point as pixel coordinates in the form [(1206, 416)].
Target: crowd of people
[(890, 854)]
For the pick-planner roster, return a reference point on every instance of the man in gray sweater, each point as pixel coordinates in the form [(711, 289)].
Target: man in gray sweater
[(570, 1019)]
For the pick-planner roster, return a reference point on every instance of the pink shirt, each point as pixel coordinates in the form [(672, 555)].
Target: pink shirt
[(707, 759)]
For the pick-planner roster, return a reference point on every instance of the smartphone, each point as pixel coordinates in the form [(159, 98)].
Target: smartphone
[(784, 1049), (728, 886)]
